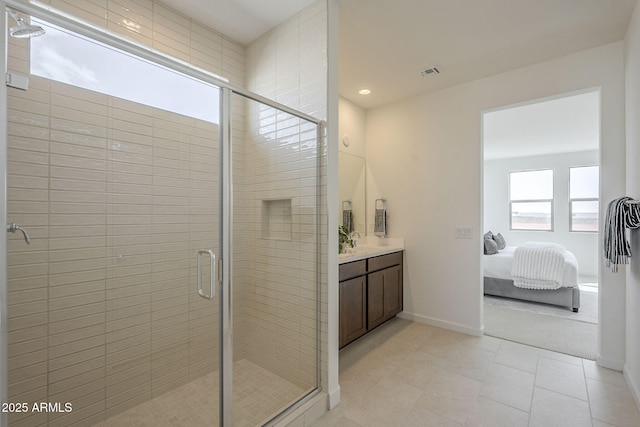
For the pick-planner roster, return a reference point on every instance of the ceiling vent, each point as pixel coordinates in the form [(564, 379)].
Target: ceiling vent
[(433, 71)]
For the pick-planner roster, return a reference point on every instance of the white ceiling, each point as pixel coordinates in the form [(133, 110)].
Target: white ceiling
[(384, 45), (241, 20), (555, 126)]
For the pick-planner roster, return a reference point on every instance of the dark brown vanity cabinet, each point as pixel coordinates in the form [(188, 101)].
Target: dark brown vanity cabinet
[(370, 294)]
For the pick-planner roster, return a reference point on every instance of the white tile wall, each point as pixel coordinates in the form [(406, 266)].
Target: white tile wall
[(288, 64)]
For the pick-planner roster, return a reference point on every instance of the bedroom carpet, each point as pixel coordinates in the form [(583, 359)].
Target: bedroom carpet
[(588, 306), (523, 323)]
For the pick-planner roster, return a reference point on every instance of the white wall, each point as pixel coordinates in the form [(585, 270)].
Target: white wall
[(496, 205), (426, 156), (352, 124), (352, 165), (632, 71)]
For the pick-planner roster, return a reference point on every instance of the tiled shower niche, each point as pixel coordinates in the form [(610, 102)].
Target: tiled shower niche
[(276, 219)]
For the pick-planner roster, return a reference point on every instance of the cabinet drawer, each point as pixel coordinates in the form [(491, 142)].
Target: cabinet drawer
[(384, 261), (352, 269)]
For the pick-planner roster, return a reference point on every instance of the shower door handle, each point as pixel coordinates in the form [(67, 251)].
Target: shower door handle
[(212, 286)]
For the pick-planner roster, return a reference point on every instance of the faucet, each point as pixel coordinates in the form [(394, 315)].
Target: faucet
[(354, 234)]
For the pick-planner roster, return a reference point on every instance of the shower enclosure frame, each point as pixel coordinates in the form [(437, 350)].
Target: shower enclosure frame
[(227, 91)]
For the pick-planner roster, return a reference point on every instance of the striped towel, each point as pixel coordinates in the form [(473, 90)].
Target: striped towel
[(538, 265), (620, 216)]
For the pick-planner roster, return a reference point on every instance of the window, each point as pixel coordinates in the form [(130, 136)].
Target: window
[(584, 186), (69, 58), (531, 200)]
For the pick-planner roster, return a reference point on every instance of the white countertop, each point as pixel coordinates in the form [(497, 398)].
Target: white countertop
[(368, 247)]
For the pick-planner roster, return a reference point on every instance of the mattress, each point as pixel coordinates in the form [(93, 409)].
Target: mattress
[(499, 266)]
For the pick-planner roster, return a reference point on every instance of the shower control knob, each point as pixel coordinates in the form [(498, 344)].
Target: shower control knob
[(13, 227)]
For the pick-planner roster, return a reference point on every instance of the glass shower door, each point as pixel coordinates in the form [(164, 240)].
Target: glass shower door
[(113, 304), (275, 260), (136, 194)]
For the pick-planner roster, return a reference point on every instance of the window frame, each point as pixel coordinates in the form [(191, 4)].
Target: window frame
[(583, 199), (550, 201)]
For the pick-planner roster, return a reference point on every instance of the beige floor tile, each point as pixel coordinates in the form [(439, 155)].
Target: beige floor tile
[(550, 409), (356, 386), (382, 406), (487, 412), (597, 423), (336, 419), (385, 335), (612, 404), (420, 416), (592, 370), (442, 343), (561, 357), (449, 394), (518, 356), (472, 362), (364, 374), (419, 368), (442, 372), (510, 386), (484, 342), (388, 401), (561, 377)]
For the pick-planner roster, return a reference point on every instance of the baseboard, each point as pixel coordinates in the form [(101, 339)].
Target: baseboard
[(633, 386), (334, 397), (442, 324), (616, 365)]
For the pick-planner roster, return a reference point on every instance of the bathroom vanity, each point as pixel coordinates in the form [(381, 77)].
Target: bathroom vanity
[(370, 290)]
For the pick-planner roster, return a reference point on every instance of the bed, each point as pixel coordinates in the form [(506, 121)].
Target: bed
[(498, 281)]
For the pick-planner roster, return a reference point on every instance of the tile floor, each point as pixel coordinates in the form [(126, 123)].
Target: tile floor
[(410, 374), (258, 395)]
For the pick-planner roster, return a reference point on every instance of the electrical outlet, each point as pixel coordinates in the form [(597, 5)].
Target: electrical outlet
[(464, 232)]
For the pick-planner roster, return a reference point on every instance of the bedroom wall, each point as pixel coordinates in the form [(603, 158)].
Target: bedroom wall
[(425, 154), (632, 72), (496, 205)]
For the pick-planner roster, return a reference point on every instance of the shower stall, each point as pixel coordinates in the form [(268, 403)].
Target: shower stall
[(162, 253)]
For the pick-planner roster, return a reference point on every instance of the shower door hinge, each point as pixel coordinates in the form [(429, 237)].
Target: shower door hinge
[(16, 80)]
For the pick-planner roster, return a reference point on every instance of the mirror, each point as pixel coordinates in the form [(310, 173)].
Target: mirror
[(352, 188)]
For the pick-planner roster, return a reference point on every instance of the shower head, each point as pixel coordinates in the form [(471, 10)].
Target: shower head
[(23, 30)]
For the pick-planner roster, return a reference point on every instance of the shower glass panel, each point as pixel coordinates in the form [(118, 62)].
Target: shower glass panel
[(275, 273), (119, 197)]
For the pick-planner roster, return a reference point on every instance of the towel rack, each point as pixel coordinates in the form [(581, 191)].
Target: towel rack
[(632, 202), (384, 203)]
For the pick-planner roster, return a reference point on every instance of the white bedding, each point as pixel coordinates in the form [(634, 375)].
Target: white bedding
[(500, 264)]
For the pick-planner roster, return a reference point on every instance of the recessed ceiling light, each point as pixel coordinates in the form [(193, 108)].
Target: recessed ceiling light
[(364, 91)]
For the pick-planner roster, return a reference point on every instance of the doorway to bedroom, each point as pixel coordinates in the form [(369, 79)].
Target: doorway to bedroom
[(541, 198)]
